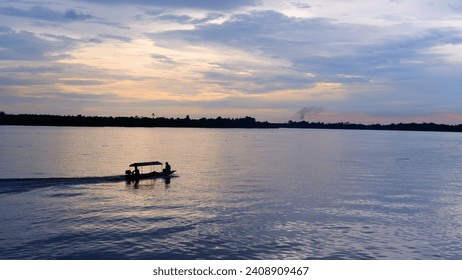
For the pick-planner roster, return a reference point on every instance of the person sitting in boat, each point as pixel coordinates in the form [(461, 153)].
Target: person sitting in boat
[(136, 172), (167, 168)]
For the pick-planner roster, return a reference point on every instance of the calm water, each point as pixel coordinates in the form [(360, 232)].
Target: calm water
[(239, 194)]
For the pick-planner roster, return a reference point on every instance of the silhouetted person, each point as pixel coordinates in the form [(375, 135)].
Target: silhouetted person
[(136, 172), (167, 168)]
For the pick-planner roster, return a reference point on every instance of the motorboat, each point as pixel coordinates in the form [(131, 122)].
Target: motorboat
[(136, 172)]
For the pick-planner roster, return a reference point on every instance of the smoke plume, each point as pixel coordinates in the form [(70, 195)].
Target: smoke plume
[(308, 110)]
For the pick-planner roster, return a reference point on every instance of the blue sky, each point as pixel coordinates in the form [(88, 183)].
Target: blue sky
[(354, 61)]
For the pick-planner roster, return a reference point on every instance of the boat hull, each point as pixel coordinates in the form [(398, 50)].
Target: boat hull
[(150, 175)]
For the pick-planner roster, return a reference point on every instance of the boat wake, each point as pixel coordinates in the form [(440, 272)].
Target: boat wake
[(27, 184)]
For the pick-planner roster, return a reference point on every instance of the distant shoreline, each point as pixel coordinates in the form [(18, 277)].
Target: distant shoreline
[(219, 122)]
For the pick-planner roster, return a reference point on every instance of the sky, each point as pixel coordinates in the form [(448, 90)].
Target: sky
[(361, 61)]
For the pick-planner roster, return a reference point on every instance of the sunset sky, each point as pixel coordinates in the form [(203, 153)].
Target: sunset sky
[(322, 60)]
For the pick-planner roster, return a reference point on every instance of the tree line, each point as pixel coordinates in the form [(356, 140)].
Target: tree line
[(219, 122), (98, 121), (393, 126)]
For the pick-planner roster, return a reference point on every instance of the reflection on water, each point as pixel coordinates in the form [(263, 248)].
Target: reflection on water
[(148, 184), (239, 194)]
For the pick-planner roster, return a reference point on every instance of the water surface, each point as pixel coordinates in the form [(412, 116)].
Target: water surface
[(239, 194)]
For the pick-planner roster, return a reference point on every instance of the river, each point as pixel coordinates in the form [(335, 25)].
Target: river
[(237, 194)]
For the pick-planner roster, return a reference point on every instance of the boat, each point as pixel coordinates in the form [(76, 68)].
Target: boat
[(134, 173)]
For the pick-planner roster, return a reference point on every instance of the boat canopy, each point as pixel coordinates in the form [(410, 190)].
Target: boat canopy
[(145, 163)]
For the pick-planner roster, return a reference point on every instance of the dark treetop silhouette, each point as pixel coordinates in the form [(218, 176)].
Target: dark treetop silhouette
[(219, 122)]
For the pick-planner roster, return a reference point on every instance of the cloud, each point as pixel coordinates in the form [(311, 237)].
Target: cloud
[(282, 54), (176, 18), (185, 19), (40, 76), (301, 5), (81, 82), (451, 53), (115, 37), (162, 59), (166, 15), (195, 4), (46, 14), (74, 15), (276, 34), (40, 15), (26, 45), (270, 35), (12, 81)]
